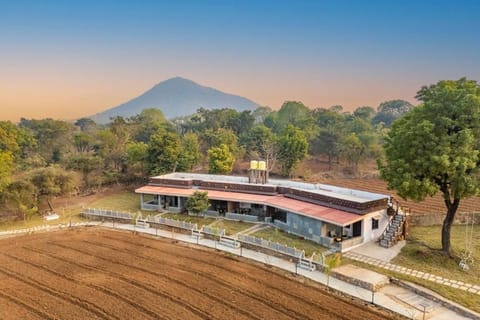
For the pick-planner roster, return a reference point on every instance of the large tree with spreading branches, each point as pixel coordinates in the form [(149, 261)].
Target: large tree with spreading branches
[(436, 148)]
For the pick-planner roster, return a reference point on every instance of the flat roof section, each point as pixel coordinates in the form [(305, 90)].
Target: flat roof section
[(315, 211), (324, 189)]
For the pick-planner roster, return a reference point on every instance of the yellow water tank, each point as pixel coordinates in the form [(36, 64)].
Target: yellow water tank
[(254, 165), (262, 165)]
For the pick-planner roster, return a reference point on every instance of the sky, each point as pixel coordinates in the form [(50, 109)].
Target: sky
[(67, 59)]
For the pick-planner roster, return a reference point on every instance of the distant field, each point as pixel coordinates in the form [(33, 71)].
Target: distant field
[(430, 205)]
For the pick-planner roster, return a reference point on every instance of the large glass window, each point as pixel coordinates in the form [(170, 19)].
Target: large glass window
[(280, 215)]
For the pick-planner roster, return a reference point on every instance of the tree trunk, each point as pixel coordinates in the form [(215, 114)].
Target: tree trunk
[(447, 224)]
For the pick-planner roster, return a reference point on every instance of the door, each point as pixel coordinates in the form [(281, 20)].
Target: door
[(357, 229)]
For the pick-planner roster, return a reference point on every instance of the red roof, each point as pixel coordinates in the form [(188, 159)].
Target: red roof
[(312, 210)]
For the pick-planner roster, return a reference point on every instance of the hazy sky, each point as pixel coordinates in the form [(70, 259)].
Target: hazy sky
[(67, 59)]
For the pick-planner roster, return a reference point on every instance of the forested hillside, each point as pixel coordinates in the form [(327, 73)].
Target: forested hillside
[(43, 159)]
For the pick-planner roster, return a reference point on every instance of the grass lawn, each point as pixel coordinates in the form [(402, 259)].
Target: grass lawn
[(126, 201), (34, 221), (232, 227), (200, 221), (422, 252), (69, 208), (466, 299), (274, 234)]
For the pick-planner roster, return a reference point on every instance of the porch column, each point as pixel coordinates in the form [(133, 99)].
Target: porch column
[(141, 201), (159, 202), (229, 206)]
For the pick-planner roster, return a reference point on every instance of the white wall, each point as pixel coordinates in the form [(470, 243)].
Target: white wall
[(368, 233)]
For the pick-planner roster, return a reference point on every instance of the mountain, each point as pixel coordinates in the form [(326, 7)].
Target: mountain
[(177, 97)]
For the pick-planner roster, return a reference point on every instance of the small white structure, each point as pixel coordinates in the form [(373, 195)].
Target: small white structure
[(50, 217)]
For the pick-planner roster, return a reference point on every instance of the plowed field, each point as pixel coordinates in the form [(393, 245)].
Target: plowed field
[(433, 204), (102, 274)]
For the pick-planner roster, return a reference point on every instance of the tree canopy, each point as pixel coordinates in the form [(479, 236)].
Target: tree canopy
[(127, 150), (436, 148), (293, 147), (220, 159), (198, 202)]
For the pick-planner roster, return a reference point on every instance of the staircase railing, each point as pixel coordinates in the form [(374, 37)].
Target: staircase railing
[(394, 205)]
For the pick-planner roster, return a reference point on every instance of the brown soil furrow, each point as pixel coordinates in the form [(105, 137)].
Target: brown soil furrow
[(40, 313), (107, 291), (232, 284), (341, 313), (89, 307), (166, 295), (11, 311), (248, 314), (230, 281), (222, 284)]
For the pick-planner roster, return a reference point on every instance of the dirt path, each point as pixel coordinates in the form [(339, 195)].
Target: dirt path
[(102, 274)]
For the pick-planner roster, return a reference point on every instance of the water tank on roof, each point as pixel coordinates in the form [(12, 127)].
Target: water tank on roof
[(254, 165), (262, 165)]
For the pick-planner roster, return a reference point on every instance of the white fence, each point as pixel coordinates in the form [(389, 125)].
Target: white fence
[(173, 223), (274, 246), (213, 231), (241, 217), (46, 228), (106, 213)]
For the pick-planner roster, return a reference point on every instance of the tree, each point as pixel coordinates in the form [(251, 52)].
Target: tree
[(260, 114), (52, 181), (220, 159), (198, 202), (136, 157), (436, 148), (163, 151), (190, 152), (336, 108), (292, 147), (352, 150), (55, 137), (215, 138), (83, 142), (296, 114), (364, 112), (86, 125), (19, 198), (389, 111), (262, 142), (8, 149), (331, 132), (86, 164), (147, 123), (6, 168)]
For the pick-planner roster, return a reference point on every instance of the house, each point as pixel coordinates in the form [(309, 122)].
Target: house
[(331, 216)]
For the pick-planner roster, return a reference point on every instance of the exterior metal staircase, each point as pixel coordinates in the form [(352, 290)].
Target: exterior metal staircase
[(395, 230)]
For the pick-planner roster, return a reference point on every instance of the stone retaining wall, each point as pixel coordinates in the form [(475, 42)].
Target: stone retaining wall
[(430, 219), (447, 304)]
